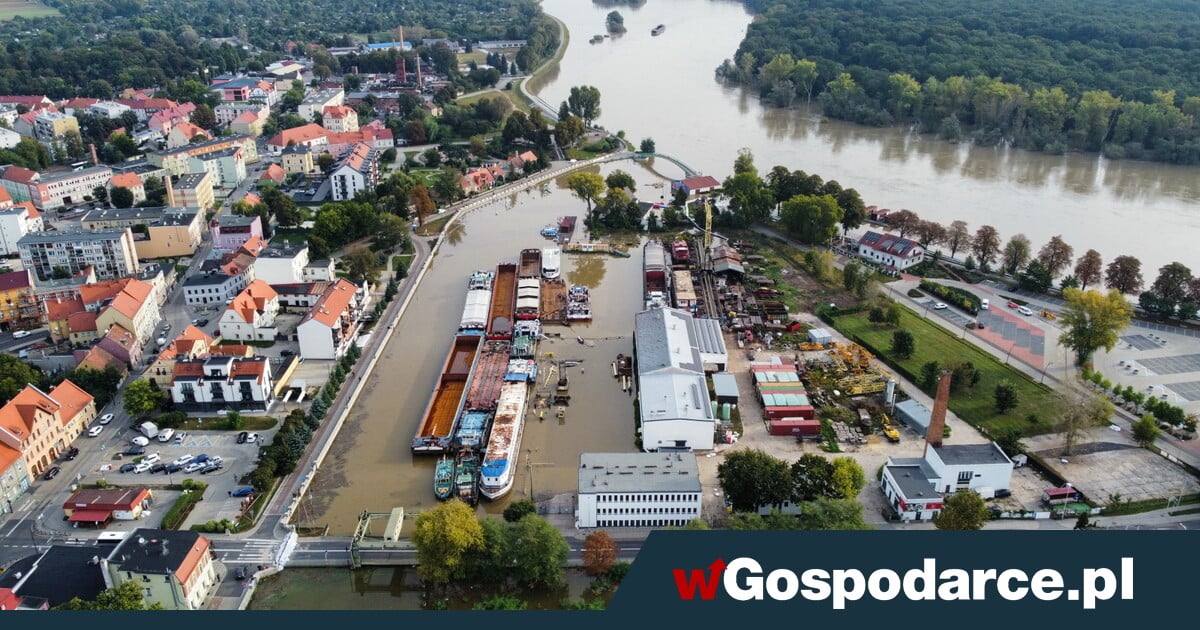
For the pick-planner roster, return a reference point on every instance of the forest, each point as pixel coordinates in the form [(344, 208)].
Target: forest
[(99, 46), (1117, 77)]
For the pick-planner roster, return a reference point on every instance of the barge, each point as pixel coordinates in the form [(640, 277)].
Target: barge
[(479, 300), (656, 275), (500, 461), (525, 339), (449, 397), (443, 478), (529, 298), (531, 264), (466, 476), (500, 320), (488, 376), (566, 229)]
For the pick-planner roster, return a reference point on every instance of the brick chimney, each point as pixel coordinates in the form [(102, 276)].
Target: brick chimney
[(92, 149), (170, 191), (937, 418)]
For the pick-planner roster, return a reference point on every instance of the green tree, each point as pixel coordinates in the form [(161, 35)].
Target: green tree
[(501, 602), (15, 374), (599, 553), (931, 371), (518, 509), (750, 199), (586, 186), (647, 146), (812, 478), (444, 537), (963, 510), (392, 232), (584, 102), (1092, 320), (621, 179), (142, 398), (1056, 255), (204, 117), (751, 478), (447, 186), (696, 524), (569, 130), (1005, 396), (125, 596), (539, 551), (1124, 274), (1145, 431), (848, 477), (1016, 254), (1088, 268), (122, 197), (362, 264), (814, 219), (325, 162), (1172, 282), (832, 514), (903, 344), (804, 75), (101, 384), (1080, 412), (985, 245)]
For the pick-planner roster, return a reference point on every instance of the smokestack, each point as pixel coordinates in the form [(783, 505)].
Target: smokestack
[(937, 418), (92, 149), (170, 190), (401, 75)]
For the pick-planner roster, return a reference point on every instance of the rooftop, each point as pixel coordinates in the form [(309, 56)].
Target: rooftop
[(912, 480), (638, 472), (207, 280), (72, 236), (969, 454), (188, 181), (60, 574), (662, 337), (157, 551)]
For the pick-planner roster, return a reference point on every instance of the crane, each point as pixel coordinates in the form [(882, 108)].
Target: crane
[(707, 224)]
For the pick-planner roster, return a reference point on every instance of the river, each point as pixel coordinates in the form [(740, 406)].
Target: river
[(664, 87)]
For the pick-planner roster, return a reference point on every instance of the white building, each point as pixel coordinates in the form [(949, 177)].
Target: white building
[(916, 487), (212, 288), (638, 490), (9, 138), (893, 252), (316, 102), (228, 112), (112, 253), (227, 167), (15, 222), (673, 404), (108, 109), (220, 382), (327, 331), (251, 315), (318, 270), (358, 170), (176, 569), (281, 264)]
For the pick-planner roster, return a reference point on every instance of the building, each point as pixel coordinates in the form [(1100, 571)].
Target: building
[(193, 190), (222, 382), (673, 404), (358, 170), (298, 159), (698, 185), (212, 288), (231, 231), (48, 190), (164, 119), (42, 426), (108, 109), (184, 133), (14, 477), (179, 161), (916, 487), (893, 252), (162, 232), (327, 331), (312, 135), (316, 102), (135, 308), (248, 123), (228, 112), (100, 506), (130, 181), (241, 89), (638, 490), (54, 577), (192, 343), (227, 166), (274, 174), (339, 119), (282, 264), (318, 270), (16, 220), (176, 568), (50, 125), (112, 253), (9, 138), (251, 315), (19, 306)]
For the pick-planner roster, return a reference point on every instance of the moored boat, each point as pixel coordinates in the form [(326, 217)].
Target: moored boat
[(550, 231), (497, 472), (479, 300), (472, 427), (551, 262), (466, 476), (500, 319), (443, 478), (658, 29), (526, 335), (448, 398), (529, 298)]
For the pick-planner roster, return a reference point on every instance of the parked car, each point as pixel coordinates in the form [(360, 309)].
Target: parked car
[(193, 467), (128, 467), (52, 473), (240, 573), (984, 304), (1024, 310), (210, 467), (166, 434), (134, 450), (94, 431), (243, 491), (202, 322), (241, 438), (172, 468), (157, 468), (183, 459), (21, 333), (179, 437), (106, 418), (71, 454), (202, 458), (937, 306), (140, 441), (152, 458), (142, 467), (251, 438), (161, 341)]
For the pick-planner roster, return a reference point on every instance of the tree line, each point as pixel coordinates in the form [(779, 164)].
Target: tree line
[(1089, 76)]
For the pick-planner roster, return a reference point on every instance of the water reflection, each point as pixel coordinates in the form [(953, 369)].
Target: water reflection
[(588, 269), (456, 232)]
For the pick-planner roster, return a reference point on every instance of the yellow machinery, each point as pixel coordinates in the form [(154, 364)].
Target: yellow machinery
[(707, 224), (1048, 315), (858, 384), (890, 431)]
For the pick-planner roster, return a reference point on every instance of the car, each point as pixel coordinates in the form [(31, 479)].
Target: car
[(134, 450), (243, 491), (161, 341), (179, 437), (142, 467), (216, 459), (52, 473), (193, 467), (1003, 493), (240, 573), (1012, 304), (128, 467), (241, 438), (166, 434), (152, 458), (21, 333), (140, 440), (172, 468), (984, 304), (202, 458), (106, 418), (71, 454), (210, 467), (251, 438), (94, 431), (937, 306), (1024, 310), (183, 459), (202, 322), (157, 468), (287, 353)]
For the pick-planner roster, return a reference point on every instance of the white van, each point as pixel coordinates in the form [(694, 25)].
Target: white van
[(166, 434), (984, 305)]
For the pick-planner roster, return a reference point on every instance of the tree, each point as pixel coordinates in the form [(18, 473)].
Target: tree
[(744, 162), (930, 233), (362, 264), (905, 222), (518, 509), (814, 219), (599, 553), (141, 398), (854, 210), (15, 374), (1088, 268), (832, 514), (1035, 277), (586, 186), (1092, 320), (122, 197), (1124, 274), (621, 179), (1005, 397), (1055, 255), (569, 130), (444, 537), (584, 102), (1172, 282), (750, 200), (848, 477), (812, 478), (448, 184), (325, 162), (804, 75), (391, 232), (957, 237), (903, 344), (646, 146), (963, 510), (204, 117), (985, 245), (1079, 413), (1016, 254), (100, 193), (1145, 431), (751, 478), (422, 203), (125, 596), (478, 146), (101, 384), (539, 551), (501, 602)]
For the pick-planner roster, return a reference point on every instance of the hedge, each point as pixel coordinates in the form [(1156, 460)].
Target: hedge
[(961, 298)]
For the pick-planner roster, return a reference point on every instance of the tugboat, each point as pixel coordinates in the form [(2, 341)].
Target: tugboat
[(466, 476), (658, 29), (443, 479)]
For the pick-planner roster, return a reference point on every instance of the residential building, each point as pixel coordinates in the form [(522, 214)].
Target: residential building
[(673, 401), (893, 252), (44, 580), (241, 260), (212, 288), (242, 89), (178, 161), (318, 270), (184, 133), (300, 295), (49, 125), (14, 477), (228, 112), (103, 505), (111, 252), (274, 174), (228, 166), (231, 231), (136, 309), (130, 181), (9, 138), (327, 331), (42, 426), (220, 382), (645, 490), (283, 264), (161, 276), (176, 568), (145, 106), (108, 109), (165, 232), (192, 343), (165, 119), (316, 102), (193, 190), (98, 357), (53, 190), (339, 119), (697, 185), (33, 103), (357, 171), (81, 327), (311, 135), (251, 315), (16, 220), (143, 169), (501, 44), (19, 307), (299, 158), (248, 123)]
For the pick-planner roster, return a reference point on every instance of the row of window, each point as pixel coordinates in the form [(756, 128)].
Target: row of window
[(627, 498), (654, 522), (672, 510)]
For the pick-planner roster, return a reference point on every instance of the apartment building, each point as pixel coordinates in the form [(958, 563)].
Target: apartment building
[(111, 253)]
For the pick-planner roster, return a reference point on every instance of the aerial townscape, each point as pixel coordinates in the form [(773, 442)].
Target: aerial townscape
[(299, 290)]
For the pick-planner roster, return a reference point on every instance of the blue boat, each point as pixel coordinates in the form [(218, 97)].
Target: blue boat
[(471, 429), (550, 231)]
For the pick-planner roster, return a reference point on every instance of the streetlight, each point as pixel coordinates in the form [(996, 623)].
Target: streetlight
[(1047, 367), (1010, 349)]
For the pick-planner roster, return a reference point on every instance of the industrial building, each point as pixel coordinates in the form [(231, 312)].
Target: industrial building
[(638, 490)]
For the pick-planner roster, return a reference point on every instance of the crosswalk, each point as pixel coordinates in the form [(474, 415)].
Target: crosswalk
[(255, 550)]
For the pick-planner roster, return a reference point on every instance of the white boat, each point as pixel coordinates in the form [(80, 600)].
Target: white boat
[(479, 301), (500, 461), (551, 262)]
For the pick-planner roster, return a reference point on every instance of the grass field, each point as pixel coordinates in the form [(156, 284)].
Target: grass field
[(975, 405), (512, 96), (10, 9), (478, 56)]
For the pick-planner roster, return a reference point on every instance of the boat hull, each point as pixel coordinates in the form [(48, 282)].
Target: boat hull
[(447, 400)]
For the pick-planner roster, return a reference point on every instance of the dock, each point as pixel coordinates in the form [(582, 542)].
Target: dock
[(554, 301)]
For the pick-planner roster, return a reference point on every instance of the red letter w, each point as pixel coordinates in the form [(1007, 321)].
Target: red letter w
[(689, 585)]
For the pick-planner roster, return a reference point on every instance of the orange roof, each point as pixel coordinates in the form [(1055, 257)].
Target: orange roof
[(529, 156), (7, 457), (6, 199), (188, 368), (332, 303), (252, 299), (192, 560), (248, 368), (252, 199), (29, 209), (131, 300), (357, 157), (19, 174), (97, 292), (230, 350), (246, 118), (98, 358), (119, 334), (83, 321), (61, 309), (338, 111), (253, 246), (72, 398), (299, 135), (274, 172), (190, 130), (126, 180)]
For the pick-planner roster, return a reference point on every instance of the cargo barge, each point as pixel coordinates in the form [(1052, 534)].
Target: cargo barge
[(500, 461), (504, 288), (531, 264), (479, 301), (449, 397), (656, 275), (488, 376)]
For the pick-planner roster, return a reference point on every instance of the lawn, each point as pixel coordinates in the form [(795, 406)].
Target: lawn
[(10, 9), (295, 237), (510, 94), (975, 405), (220, 423)]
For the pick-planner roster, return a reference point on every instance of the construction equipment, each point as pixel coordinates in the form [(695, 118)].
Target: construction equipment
[(708, 217), (890, 431), (1048, 315), (858, 384)]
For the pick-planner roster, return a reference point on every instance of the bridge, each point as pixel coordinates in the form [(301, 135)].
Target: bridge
[(633, 155)]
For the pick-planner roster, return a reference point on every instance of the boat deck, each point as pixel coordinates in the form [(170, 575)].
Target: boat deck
[(440, 420), (554, 301), (489, 376), (504, 289)]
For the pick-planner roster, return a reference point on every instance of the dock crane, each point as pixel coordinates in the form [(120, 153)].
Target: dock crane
[(708, 216)]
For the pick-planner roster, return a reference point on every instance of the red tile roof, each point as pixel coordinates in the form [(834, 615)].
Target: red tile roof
[(126, 180), (298, 135), (333, 303), (119, 499), (273, 172), (189, 130), (6, 199), (7, 457), (132, 298), (246, 118), (248, 368), (15, 280), (98, 358), (97, 292), (82, 322), (61, 309), (19, 174), (338, 111), (187, 368), (252, 199), (253, 299)]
